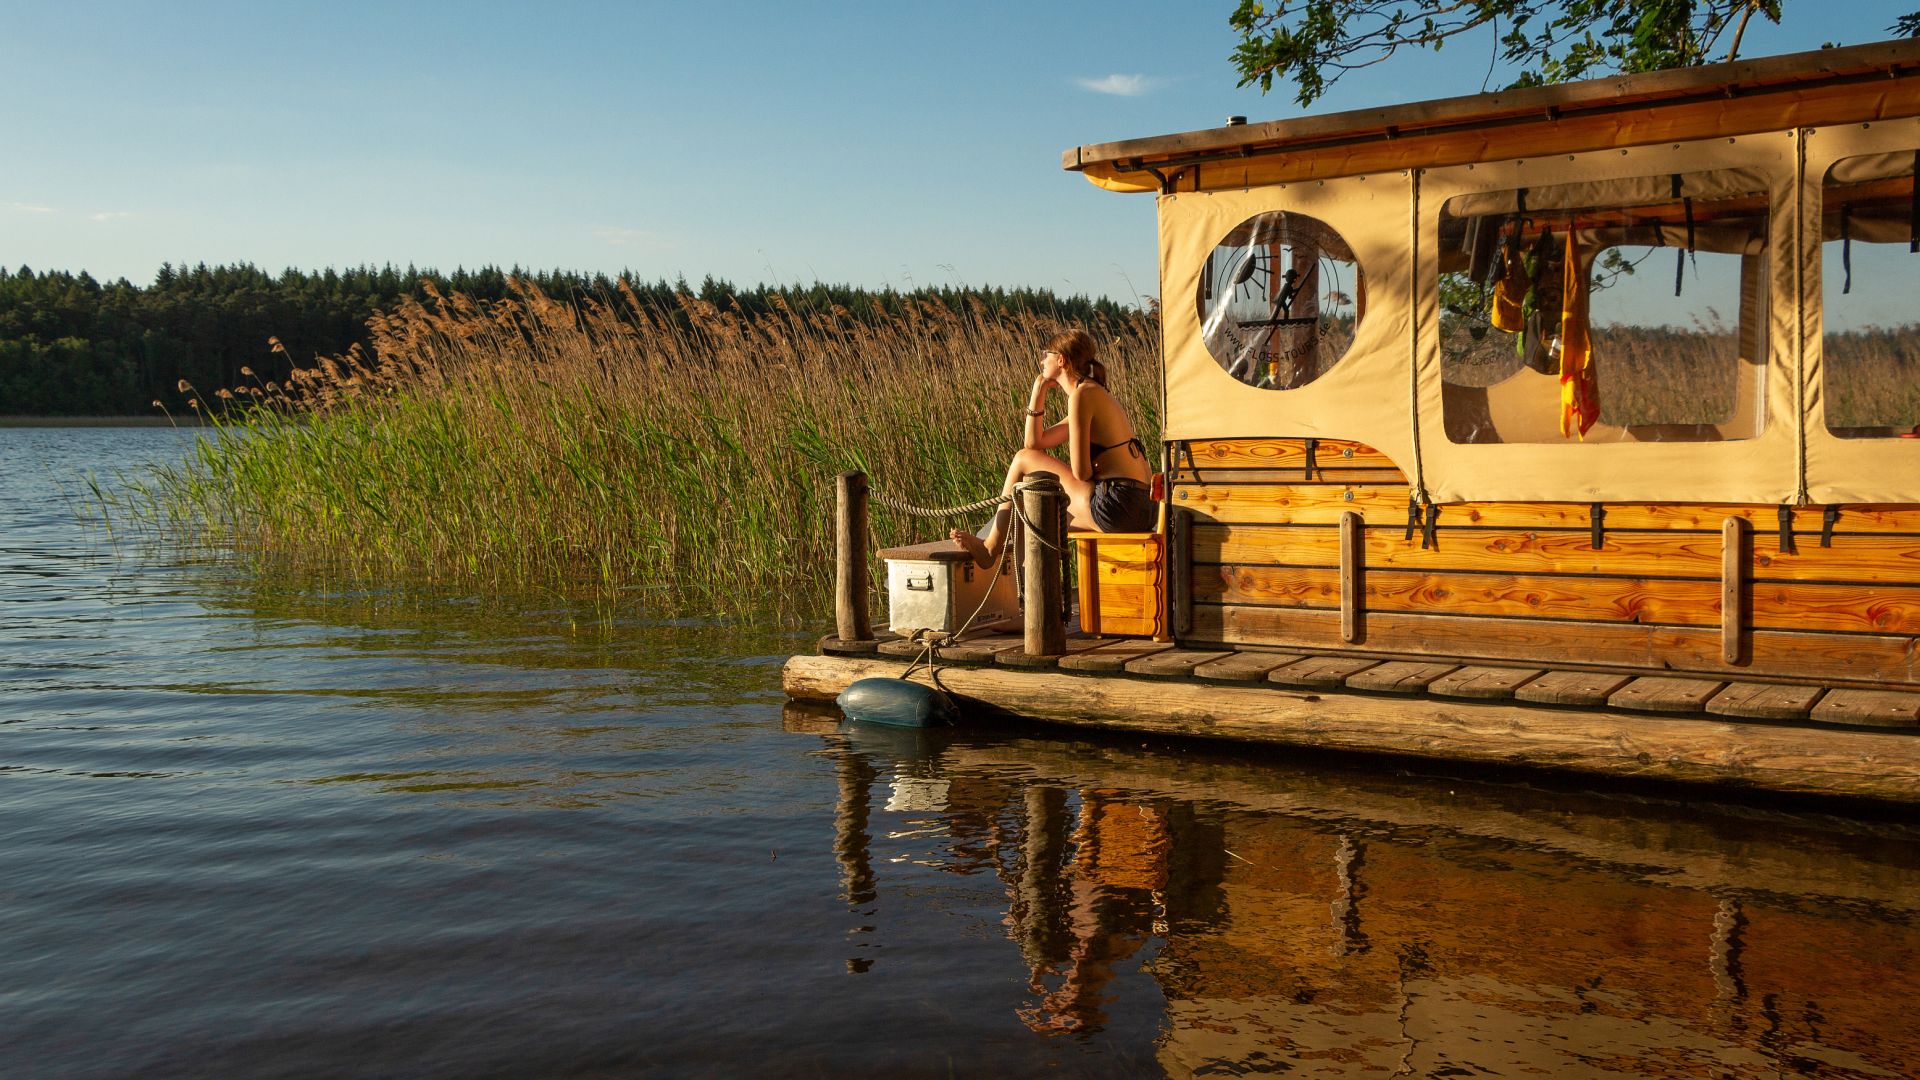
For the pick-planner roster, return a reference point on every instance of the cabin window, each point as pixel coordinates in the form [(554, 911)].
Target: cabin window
[(1870, 265), (1666, 323), (1280, 298)]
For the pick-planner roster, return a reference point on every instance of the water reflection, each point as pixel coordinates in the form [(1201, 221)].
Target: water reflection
[(1328, 922)]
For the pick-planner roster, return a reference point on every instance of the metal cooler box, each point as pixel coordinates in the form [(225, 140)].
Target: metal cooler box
[(936, 586)]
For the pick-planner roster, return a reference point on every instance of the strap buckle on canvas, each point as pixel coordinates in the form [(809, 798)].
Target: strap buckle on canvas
[(1829, 517), (1597, 525), (1430, 532), (1786, 531), (1413, 517)]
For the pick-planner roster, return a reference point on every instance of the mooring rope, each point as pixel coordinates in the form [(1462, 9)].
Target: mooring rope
[(911, 510), (930, 641)]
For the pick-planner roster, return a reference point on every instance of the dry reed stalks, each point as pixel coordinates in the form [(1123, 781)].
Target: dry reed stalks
[(610, 451)]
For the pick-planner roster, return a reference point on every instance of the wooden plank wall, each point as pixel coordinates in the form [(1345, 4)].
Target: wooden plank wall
[(1523, 582)]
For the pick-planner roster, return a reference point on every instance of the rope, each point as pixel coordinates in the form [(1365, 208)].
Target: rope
[(911, 510), (930, 641)]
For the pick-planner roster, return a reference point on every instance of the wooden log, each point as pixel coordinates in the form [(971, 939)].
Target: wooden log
[(1111, 656), (1571, 688), (851, 617), (1764, 701), (1353, 563), (1856, 659), (1736, 561), (1869, 765), (1173, 663), (1869, 708), (1044, 503), (1243, 666), (1482, 683), (1660, 693), (1398, 677), (1319, 672)]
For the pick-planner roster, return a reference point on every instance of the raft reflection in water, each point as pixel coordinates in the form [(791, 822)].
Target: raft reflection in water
[(1322, 921)]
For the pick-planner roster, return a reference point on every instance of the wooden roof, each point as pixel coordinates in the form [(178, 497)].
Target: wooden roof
[(1136, 161)]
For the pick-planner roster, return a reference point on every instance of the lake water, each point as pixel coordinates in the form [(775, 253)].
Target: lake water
[(255, 832)]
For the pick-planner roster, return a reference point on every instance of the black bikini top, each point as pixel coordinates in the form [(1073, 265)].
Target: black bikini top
[(1097, 449)]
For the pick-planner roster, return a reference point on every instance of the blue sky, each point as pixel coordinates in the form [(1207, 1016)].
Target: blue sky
[(869, 143)]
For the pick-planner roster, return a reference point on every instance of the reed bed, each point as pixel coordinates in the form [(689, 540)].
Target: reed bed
[(609, 451)]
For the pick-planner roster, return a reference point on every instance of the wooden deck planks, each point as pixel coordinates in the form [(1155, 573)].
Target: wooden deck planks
[(1112, 656), (1788, 655), (1243, 666), (1020, 659), (1869, 708), (1319, 672), (979, 649), (1571, 688), (1482, 683), (1764, 701), (1174, 663), (1661, 693), (1398, 677)]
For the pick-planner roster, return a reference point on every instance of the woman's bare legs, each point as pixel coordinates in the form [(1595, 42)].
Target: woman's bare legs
[(1025, 462)]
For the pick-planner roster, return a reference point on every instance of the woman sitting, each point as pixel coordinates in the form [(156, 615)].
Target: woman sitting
[(1106, 482)]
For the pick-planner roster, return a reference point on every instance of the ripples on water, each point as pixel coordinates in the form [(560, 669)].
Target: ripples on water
[(257, 834)]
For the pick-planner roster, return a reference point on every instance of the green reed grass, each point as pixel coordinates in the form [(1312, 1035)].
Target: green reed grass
[(609, 452)]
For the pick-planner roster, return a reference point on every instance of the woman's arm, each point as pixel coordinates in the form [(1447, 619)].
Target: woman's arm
[(1037, 435), (1079, 436)]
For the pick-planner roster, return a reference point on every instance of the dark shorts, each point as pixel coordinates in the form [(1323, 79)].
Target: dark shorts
[(1121, 504)]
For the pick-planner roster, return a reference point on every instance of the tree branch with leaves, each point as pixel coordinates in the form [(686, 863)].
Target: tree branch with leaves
[(1313, 43)]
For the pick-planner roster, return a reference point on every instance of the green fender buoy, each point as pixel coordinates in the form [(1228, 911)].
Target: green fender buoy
[(897, 703)]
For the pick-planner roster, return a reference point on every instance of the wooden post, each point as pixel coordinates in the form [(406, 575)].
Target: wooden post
[(851, 621), (1736, 561), (1179, 572), (1045, 504), (1353, 558)]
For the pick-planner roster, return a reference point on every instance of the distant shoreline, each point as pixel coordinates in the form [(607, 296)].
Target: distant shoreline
[(97, 421)]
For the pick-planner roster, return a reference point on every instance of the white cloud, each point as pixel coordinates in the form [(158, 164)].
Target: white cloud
[(31, 209), (1120, 85), (105, 216)]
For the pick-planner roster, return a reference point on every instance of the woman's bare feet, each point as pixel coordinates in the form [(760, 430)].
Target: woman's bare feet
[(973, 546)]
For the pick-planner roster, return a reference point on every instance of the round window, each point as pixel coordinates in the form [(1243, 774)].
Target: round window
[(1280, 298)]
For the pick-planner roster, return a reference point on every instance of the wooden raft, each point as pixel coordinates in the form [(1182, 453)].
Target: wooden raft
[(1848, 742)]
